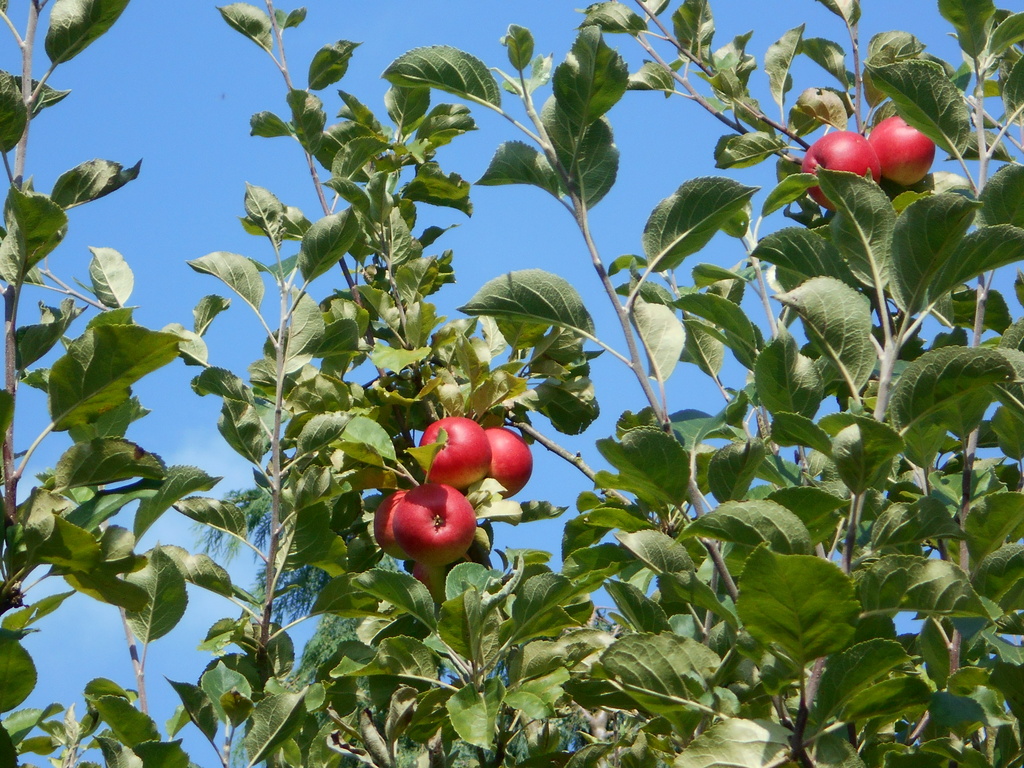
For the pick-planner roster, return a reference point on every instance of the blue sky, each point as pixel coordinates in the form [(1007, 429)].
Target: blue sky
[(173, 85)]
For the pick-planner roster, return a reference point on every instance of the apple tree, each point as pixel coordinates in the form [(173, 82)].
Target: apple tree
[(826, 572)]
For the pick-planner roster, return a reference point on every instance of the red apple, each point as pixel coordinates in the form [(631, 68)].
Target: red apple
[(511, 460), (904, 152), (434, 523), (840, 151), (466, 456), (433, 577), (383, 526)]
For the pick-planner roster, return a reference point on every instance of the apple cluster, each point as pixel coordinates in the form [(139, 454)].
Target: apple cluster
[(434, 524), (893, 150)]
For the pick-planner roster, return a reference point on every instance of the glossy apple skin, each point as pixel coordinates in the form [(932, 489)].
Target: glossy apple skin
[(511, 460), (434, 524), (905, 154), (383, 526), (466, 456), (433, 577), (840, 151)]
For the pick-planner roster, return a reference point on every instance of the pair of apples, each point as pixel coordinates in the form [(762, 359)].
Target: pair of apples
[(434, 524), (893, 150)]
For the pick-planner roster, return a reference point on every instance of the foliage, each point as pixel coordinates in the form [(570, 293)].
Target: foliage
[(866, 465)]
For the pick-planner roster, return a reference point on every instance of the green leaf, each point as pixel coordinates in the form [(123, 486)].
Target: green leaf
[(407, 106), (863, 450), (800, 253), (801, 603), (130, 726), (535, 296), (737, 743), (402, 591), (650, 463), (519, 43), (112, 278), (199, 708), (268, 125), (926, 236), (165, 586), (221, 515), (684, 222), (90, 181), (786, 380), (980, 251), (589, 157), (1013, 91), (614, 17), (264, 213), (447, 69), (1009, 32), (591, 80), (890, 698), (847, 10), (838, 320), (751, 523), (538, 611), (1008, 425), (794, 429), (206, 310), (222, 685), (13, 114), (1003, 197), (662, 673), (1008, 679), (330, 64), (99, 368), (662, 335), (367, 441), (326, 243), (651, 77), (237, 272), (274, 719), (445, 123), (777, 61), (75, 24), (677, 590), (179, 482), (902, 524), (821, 106), (694, 26), (733, 467), (788, 190), (970, 17), (517, 163), (243, 428), (911, 583), (403, 657), (995, 518), (34, 341), (656, 550), (474, 713), (640, 612), (855, 669), (927, 100), (931, 387), (249, 21), (431, 185), (308, 120), (105, 460), (829, 56), (35, 226), (17, 672), (863, 226), (747, 149)]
